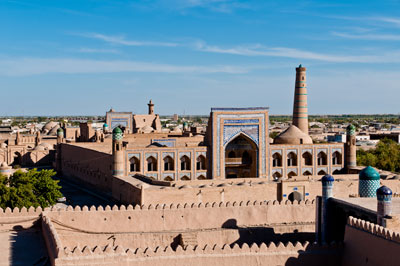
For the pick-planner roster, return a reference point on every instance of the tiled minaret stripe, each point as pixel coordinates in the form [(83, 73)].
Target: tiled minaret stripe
[(300, 109)]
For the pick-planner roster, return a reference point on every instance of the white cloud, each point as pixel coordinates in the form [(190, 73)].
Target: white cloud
[(260, 50), (38, 66), (120, 40), (371, 37), (98, 51)]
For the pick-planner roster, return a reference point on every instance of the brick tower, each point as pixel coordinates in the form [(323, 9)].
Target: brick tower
[(300, 110)]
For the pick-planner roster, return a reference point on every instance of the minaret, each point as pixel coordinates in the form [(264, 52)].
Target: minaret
[(300, 110), (151, 108), (350, 148), (117, 152)]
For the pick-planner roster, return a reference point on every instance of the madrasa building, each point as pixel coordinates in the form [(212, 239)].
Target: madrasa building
[(133, 154)]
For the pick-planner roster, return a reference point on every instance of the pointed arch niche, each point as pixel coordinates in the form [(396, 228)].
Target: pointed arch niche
[(241, 157)]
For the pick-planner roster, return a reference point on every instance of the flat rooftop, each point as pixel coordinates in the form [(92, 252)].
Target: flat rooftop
[(372, 203)]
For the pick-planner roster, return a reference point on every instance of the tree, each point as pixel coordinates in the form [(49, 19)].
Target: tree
[(385, 156), (32, 188)]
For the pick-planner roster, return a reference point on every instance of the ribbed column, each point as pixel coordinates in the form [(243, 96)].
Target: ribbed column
[(300, 109)]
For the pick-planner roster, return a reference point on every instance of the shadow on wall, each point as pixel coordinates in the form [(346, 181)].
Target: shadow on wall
[(27, 246), (259, 235)]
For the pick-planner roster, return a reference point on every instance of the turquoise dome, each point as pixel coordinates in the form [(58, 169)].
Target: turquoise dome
[(105, 125), (327, 179), (369, 173)]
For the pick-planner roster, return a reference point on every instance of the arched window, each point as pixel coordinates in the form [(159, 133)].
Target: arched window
[(135, 164), (201, 177), (231, 154), (185, 178), (336, 158), (295, 196), (276, 160), (322, 160), (291, 174), (321, 172), (307, 158), (307, 173), (201, 163), (292, 159), (168, 164), (168, 178), (185, 163), (276, 175), (151, 164)]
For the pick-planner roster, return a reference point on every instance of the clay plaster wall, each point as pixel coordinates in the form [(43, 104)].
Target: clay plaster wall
[(273, 254), (86, 165), (370, 244), (184, 217)]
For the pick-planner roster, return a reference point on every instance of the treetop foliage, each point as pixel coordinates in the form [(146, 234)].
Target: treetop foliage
[(385, 156), (32, 188)]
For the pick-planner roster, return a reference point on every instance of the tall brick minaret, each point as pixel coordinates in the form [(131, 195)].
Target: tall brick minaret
[(300, 110)]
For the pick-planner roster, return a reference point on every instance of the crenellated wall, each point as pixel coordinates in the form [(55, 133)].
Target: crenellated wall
[(370, 244), (271, 254), (184, 217)]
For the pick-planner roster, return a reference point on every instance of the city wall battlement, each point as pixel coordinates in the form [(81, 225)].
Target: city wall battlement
[(374, 229), (271, 254), (370, 244), (149, 218)]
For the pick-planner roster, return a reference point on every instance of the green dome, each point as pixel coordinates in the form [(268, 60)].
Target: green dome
[(117, 130), (59, 130), (351, 129), (117, 133), (369, 173)]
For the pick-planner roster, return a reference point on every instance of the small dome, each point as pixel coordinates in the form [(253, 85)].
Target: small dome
[(147, 129), (3, 145), (293, 135), (39, 148), (384, 191), (60, 130), (49, 125), (117, 130), (176, 130), (117, 133), (327, 178), (105, 125), (369, 173), (53, 131)]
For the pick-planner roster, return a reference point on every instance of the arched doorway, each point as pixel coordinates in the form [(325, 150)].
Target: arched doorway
[(17, 158), (295, 196), (241, 158)]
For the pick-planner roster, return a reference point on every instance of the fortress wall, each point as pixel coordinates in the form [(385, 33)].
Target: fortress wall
[(53, 243), (85, 165), (370, 244), (271, 254), (184, 217), (221, 236), (18, 217), (222, 192)]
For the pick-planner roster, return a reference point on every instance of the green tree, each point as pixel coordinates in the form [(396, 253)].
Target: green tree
[(385, 156), (32, 188)]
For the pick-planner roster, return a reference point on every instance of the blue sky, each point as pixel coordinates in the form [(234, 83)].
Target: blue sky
[(83, 57)]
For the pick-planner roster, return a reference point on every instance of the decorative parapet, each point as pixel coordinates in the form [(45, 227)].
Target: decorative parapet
[(182, 206), (199, 250), (31, 211), (374, 229)]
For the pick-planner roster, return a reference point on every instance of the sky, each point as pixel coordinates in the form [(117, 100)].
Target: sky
[(82, 57)]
